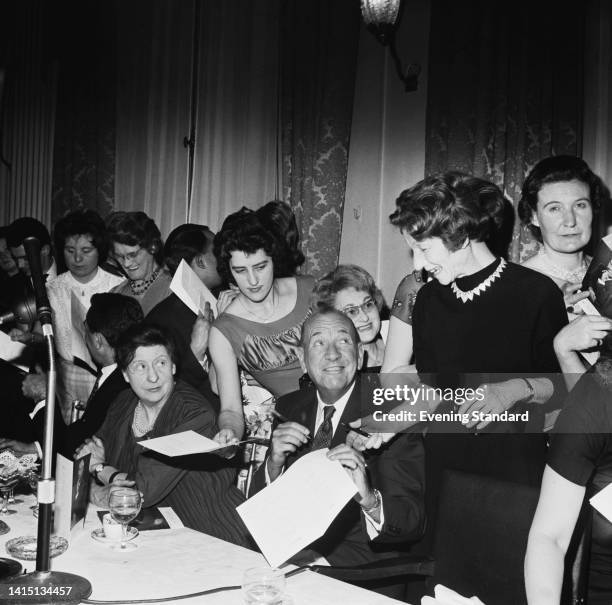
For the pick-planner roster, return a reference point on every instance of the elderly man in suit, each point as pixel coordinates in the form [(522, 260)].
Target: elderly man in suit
[(388, 506)]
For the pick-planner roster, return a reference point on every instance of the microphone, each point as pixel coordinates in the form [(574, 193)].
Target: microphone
[(43, 308), (23, 310)]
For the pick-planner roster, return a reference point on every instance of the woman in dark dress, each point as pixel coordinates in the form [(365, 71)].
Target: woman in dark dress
[(480, 323), (579, 464), (199, 488)]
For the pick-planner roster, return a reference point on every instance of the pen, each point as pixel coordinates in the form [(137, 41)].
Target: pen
[(284, 419), (358, 431)]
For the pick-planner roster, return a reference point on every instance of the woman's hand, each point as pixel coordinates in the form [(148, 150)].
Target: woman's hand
[(226, 298), (498, 397), (227, 438), (584, 332), (23, 336), (200, 332), (360, 443), (19, 448), (572, 293), (95, 447), (34, 386)]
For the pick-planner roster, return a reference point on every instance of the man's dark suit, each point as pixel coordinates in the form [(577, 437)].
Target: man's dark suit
[(396, 470), (95, 413), (178, 319)]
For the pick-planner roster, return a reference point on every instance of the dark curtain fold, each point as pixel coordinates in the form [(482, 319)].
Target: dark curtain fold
[(84, 151), (318, 54), (505, 90)]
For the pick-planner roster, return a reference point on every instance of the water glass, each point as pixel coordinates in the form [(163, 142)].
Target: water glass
[(263, 586), (124, 505)]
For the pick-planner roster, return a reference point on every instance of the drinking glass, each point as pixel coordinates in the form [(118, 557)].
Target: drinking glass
[(124, 505), (263, 586), (6, 486)]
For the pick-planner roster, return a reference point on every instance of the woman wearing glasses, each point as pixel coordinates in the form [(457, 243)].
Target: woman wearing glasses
[(137, 247), (199, 488), (351, 290)]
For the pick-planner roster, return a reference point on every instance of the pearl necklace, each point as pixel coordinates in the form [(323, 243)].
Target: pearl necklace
[(140, 286), (481, 287), (569, 275), (142, 427)]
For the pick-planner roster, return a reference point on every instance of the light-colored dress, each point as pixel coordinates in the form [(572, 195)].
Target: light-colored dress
[(75, 382)]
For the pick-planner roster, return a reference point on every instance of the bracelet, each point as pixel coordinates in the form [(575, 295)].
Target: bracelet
[(377, 504), (112, 477), (531, 394)]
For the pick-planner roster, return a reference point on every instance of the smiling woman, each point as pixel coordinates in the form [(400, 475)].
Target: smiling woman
[(137, 247), (351, 290), (260, 329)]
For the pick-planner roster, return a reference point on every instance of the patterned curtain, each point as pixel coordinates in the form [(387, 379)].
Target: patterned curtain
[(318, 54), (84, 154), (505, 90)]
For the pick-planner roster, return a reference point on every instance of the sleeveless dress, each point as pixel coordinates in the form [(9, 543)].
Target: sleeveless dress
[(267, 351)]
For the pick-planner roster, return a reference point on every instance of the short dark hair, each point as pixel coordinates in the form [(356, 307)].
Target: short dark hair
[(25, 227), (557, 169), (136, 229), (279, 218), (452, 206), (81, 222), (341, 278), (185, 243), (243, 231), (112, 314), (142, 335)]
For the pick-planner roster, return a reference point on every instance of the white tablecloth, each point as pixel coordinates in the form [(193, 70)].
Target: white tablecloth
[(176, 561)]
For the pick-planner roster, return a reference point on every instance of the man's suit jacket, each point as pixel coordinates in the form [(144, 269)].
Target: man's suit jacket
[(178, 319), (95, 413), (396, 470)]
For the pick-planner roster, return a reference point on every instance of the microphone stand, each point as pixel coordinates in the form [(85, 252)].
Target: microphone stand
[(42, 587)]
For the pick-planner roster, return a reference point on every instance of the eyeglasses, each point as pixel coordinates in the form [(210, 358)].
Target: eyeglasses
[(124, 259), (140, 368), (367, 306)]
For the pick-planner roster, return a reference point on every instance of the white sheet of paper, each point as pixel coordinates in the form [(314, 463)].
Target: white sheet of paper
[(10, 350), (172, 519), (602, 502), (181, 444), (78, 313), (190, 289), (312, 490), (588, 308)]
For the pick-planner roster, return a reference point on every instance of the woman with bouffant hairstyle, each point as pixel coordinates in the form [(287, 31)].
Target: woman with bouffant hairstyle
[(260, 330)]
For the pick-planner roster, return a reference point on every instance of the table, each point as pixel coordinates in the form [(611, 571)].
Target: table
[(170, 562)]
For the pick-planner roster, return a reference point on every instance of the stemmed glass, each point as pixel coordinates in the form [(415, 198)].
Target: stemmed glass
[(124, 505), (32, 481), (6, 486)]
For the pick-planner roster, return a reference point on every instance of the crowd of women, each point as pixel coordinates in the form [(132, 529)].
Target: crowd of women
[(463, 317)]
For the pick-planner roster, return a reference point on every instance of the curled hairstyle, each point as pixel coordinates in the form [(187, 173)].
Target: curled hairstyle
[(112, 314), (81, 222), (27, 227), (136, 229), (278, 217), (341, 278), (141, 335), (185, 243), (557, 169), (244, 231), (452, 206)]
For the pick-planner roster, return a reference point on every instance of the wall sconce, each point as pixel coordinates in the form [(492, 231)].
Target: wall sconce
[(380, 17)]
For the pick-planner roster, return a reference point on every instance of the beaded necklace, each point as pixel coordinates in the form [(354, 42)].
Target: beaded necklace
[(140, 423), (140, 286)]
